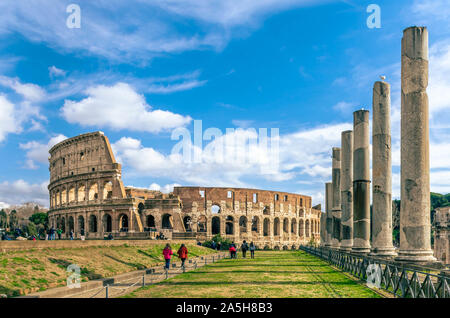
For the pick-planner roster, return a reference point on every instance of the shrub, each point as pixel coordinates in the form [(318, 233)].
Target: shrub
[(224, 243)]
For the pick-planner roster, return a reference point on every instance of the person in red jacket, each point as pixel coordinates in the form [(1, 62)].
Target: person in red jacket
[(167, 252), (232, 251), (182, 254)]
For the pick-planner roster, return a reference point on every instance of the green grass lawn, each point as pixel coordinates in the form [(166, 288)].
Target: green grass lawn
[(276, 274)]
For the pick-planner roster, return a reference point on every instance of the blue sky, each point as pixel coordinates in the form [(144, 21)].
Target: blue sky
[(137, 70)]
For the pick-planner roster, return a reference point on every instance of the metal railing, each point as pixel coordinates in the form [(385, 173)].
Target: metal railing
[(392, 277), (149, 277)]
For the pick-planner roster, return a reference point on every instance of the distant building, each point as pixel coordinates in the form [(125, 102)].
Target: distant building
[(442, 234)]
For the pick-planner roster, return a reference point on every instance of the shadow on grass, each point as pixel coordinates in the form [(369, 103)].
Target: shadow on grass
[(149, 255), (135, 265), (264, 265), (83, 271), (218, 283), (260, 272)]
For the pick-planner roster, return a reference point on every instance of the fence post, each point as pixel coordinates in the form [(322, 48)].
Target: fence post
[(143, 279), (167, 273), (106, 291)]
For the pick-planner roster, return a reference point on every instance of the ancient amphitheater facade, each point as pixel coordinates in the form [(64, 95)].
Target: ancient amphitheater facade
[(87, 196)]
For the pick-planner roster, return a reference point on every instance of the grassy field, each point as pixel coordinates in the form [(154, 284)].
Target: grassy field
[(275, 274), (23, 272)]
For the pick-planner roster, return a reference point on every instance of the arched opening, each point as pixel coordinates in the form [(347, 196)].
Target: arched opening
[(63, 225), (215, 209), (151, 221), (141, 208), (81, 193), (167, 222), (201, 223), (266, 247), (285, 248), (80, 224), (93, 192), (266, 227), (307, 228), (123, 223), (107, 190), (276, 248), (57, 198), (266, 210), (301, 228), (255, 224), (72, 194), (243, 224), (93, 224), (285, 226), (71, 224), (215, 225), (187, 221), (107, 223), (229, 225), (63, 196), (276, 227), (294, 226)]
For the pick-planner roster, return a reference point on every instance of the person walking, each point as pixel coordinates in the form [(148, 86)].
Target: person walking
[(71, 234), (252, 250), (244, 248), (218, 246), (232, 251), (182, 254), (59, 231), (82, 234), (167, 252)]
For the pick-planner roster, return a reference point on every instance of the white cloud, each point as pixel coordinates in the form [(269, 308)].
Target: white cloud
[(165, 189), (150, 28), (37, 152), (29, 91), (434, 9), (20, 191), (7, 118), (53, 71), (120, 107), (345, 107), (4, 205)]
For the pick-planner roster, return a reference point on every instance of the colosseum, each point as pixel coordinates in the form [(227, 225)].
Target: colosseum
[(87, 196)]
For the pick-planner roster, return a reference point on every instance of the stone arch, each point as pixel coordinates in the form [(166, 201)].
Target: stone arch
[(71, 224), (229, 225), (286, 226), (255, 224), (80, 223), (215, 225), (93, 223), (294, 226), (57, 198), (276, 248), (107, 223), (93, 192), (276, 227), (285, 248), (107, 190), (151, 221), (266, 227), (81, 192), (243, 224), (63, 225), (72, 194), (307, 228), (187, 220), (215, 209), (64, 196), (266, 247), (123, 222), (167, 221), (301, 228)]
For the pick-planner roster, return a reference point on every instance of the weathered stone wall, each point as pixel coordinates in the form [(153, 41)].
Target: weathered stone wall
[(442, 235)]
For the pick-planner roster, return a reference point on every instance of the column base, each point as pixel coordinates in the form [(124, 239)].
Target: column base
[(414, 256), (361, 250), (388, 252)]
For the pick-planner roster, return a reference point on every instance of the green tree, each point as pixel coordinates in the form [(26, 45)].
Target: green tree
[(3, 219), (30, 229), (13, 219), (39, 218)]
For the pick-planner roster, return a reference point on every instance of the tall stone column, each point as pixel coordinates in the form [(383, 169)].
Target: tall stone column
[(329, 215), (347, 190), (415, 227), (361, 182), (323, 230), (336, 209), (381, 172)]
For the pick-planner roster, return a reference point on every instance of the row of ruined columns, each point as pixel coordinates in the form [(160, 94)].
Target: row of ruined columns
[(349, 224)]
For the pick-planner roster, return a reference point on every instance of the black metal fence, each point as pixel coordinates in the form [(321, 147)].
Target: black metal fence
[(392, 277)]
